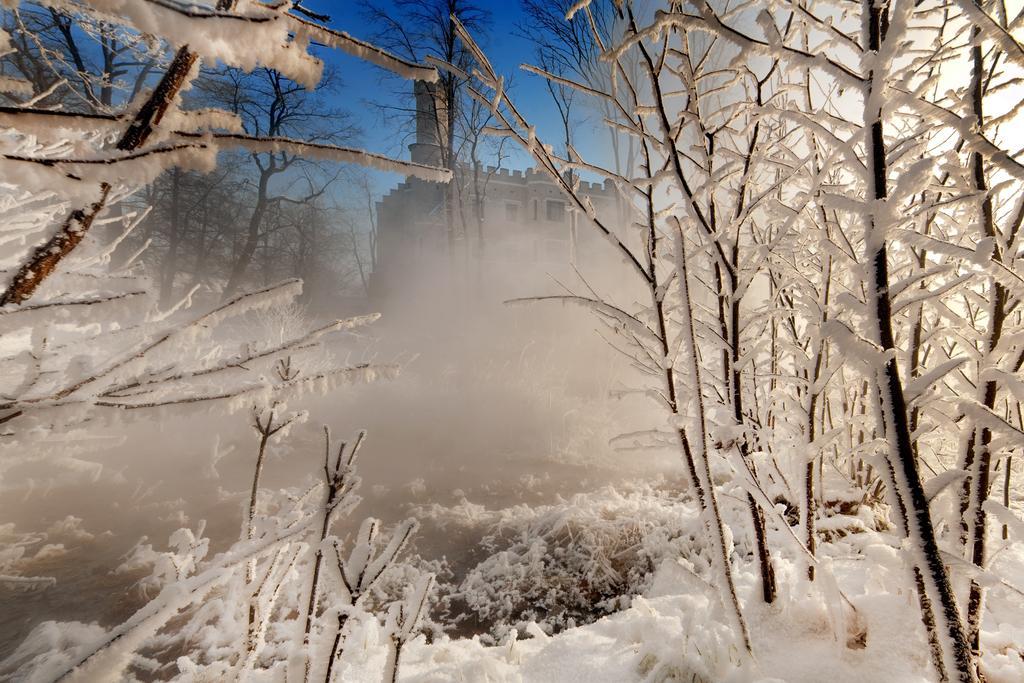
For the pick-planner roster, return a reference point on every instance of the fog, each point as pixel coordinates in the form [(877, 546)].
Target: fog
[(496, 404)]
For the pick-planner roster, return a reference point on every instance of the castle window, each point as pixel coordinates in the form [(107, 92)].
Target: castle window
[(556, 211), (512, 213)]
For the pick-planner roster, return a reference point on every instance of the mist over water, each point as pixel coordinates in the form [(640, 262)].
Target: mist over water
[(495, 404)]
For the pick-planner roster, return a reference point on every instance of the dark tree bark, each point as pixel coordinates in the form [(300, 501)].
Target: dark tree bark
[(980, 467), (950, 651), (169, 267), (46, 258), (252, 235)]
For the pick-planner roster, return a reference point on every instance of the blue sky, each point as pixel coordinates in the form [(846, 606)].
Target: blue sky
[(365, 86)]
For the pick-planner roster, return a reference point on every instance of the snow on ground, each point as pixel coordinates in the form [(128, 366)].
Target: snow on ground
[(856, 622), (669, 636), (677, 631)]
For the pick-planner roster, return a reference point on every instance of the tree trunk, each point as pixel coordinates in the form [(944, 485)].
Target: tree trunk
[(252, 237), (168, 269), (950, 652), (979, 480), (250, 532), (1006, 490), (769, 590), (699, 464)]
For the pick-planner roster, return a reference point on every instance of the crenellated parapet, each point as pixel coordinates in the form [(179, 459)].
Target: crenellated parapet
[(519, 213)]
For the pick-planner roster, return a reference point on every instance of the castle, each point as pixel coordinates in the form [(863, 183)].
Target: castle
[(501, 214)]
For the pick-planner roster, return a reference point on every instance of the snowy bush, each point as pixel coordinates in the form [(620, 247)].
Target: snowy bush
[(566, 564)]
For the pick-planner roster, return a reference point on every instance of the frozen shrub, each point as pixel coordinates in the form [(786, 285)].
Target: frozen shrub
[(569, 564)]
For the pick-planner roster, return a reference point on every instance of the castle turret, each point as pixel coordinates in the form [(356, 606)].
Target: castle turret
[(431, 118)]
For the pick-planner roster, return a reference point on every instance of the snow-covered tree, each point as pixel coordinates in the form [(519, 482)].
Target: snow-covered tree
[(71, 167), (816, 288), (83, 334), (805, 175)]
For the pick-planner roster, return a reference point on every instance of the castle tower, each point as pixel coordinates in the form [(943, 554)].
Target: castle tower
[(431, 124)]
